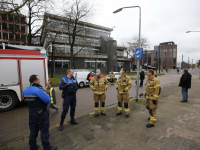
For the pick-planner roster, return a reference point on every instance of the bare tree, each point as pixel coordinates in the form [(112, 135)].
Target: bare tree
[(34, 11), (133, 43), (77, 11), (10, 8)]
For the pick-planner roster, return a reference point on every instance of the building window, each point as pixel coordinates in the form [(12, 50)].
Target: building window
[(174, 57), (120, 64), (149, 58)]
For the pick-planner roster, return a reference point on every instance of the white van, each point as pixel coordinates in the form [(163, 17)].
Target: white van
[(81, 77)]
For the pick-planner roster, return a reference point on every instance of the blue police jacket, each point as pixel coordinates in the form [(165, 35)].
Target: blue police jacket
[(69, 86), (36, 98)]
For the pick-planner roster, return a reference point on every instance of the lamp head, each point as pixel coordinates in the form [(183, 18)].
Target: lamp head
[(118, 10)]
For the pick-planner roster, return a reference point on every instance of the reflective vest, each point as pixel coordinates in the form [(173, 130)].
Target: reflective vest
[(50, 93)]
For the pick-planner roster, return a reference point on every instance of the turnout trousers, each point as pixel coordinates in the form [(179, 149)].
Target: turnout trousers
[(112, 80), (102, 99), (125, 98), (69, 101), (36, 124), (152, 110)]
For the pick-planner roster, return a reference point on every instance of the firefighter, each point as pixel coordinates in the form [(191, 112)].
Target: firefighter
[(152, 93), (37, 101), (112, 77), (123, 85), (69, 86), (51, 92), (99, 85)]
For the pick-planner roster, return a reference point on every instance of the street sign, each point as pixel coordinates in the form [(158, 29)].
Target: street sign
[(130, 65), (119, 64), (138, 53), (199, 67)]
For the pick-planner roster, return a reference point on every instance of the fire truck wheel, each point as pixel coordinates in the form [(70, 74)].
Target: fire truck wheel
[(8, 100)]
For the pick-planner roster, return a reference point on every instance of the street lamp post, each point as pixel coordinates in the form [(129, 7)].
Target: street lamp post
[(139, 45)]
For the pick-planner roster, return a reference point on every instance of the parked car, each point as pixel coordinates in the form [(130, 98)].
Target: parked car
[(81, 77), (117, 74)]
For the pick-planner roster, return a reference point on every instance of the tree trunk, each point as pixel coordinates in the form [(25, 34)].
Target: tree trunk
[(29, 26)]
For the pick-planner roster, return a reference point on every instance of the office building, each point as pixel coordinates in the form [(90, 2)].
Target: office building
[(100, 51), (167, 53), (13, 29)]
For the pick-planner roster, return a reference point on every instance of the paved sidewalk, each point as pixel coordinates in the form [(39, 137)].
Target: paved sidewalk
[(177, 128)]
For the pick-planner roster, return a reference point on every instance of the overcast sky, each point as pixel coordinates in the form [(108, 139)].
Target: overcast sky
[(162, 21)]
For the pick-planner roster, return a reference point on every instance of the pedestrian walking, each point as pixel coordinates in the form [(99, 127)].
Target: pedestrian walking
[(185, 83), (112, 78), (37, 101), (123, 85), (99, 84), (142, 77), (152, 93), (69, 86), (51, 92), (177, 70)]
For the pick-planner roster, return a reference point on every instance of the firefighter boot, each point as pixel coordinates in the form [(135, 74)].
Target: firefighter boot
[(127, 116), (73, 121), (61, 125), (118, 114), (149, 125)]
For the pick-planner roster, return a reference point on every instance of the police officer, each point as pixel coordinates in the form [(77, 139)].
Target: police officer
[(37, 101), (123, 85), (69, 86), (152, 93), (51, 92), (112, 77), (99, 84)]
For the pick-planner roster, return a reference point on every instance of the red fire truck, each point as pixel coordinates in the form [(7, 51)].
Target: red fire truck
[(17, 64)]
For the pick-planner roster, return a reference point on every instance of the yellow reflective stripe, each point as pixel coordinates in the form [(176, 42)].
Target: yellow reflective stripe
[(150, 87), (148, 97), (158, 85), (95, 83), (96, 108), (119, 108), (102, 108), (155, 95), (129, 82), (101, 83), (127, 109), (122, 92), (95, 92), (127, 88), (51, 89), (106, 86), (91, 86), (152, 118), (91, 82)]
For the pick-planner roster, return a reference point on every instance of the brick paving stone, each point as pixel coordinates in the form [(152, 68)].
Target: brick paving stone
[(177, 127), (155, 143)]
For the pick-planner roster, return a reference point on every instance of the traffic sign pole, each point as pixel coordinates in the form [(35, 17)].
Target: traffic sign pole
[(139, 56)]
